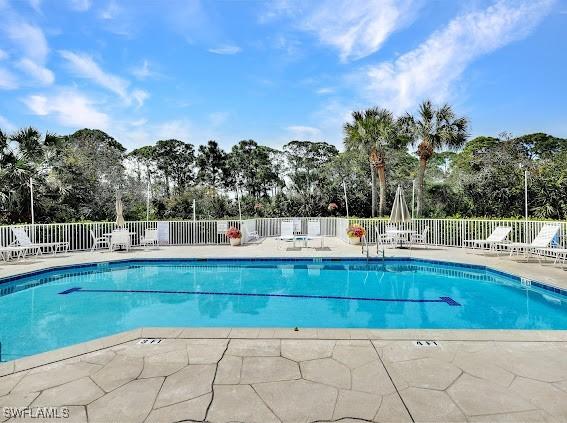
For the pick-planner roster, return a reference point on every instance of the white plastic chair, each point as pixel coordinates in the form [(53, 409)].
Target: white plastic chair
[(150, 238), (419, 239), (286, 233), (101, 241), (314, 230), (384, 239), (119, 238)]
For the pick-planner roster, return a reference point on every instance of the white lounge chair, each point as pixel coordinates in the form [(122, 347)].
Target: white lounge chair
[(119, 238), (150, 238), (23, 240), (560, 254), (541, 241), (314, 231), (6, 253), (286, 233), (100, 241), (498, 235), (419, 239)]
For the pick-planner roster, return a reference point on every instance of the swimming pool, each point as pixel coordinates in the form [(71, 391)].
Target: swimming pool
[(60, 307)]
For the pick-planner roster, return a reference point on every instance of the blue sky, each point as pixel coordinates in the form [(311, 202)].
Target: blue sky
[(274, 71)]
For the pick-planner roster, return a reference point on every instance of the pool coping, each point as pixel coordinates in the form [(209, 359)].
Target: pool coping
[(523, 280), (410, 335)]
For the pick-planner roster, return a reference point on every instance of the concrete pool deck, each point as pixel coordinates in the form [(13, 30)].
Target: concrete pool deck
[(282, 375), (278, 375)]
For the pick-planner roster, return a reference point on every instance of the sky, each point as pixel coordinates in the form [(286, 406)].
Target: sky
[(279, 70)]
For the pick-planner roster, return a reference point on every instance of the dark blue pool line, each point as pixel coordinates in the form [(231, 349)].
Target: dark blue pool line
[(446, 300)]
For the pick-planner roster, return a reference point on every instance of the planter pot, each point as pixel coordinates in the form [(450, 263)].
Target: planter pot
[(235, 241), (354, 241)]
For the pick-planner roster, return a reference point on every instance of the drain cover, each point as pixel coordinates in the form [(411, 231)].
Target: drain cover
[(426, 343), (149, 341)]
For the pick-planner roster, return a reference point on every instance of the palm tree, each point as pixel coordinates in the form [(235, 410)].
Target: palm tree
[(434, 128), (371, 132)]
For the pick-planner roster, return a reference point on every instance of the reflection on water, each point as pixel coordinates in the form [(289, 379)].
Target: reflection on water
[(35, 317)]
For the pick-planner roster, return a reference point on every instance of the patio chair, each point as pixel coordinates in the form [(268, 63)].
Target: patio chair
[(23, 240), (560, 254), (100, 241), (119, 238), (419, 239), (384, 239), (286, 233), (150, 238), (6, 253), (314, 231), (498, 235), (541, 241)]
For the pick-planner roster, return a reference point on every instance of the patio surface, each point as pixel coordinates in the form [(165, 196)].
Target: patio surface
[(253, 375), (311, 375)]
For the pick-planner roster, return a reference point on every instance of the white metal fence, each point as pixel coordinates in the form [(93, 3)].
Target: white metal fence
[(443, 232)]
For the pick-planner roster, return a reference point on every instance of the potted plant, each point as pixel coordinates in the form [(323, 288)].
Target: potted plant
[(355, 232), (233, 235)]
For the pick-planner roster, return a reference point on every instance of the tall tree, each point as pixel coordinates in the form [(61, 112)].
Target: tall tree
[(434, 128), (175, 159), (372, 131), (211, 164)]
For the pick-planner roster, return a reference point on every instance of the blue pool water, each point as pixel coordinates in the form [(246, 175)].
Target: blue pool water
[(61, 307)]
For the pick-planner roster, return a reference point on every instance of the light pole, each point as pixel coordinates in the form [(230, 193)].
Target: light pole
[(413, 200), (346, 198)]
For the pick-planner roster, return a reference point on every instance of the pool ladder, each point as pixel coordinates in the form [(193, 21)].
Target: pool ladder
[(366, 248)]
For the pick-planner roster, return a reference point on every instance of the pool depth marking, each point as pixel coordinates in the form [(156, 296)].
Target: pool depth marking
[(447, 300)]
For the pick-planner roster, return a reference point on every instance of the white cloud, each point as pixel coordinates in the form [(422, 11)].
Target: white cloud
[(143, 71), (36, 5), (303, 132), (80, 5), (139, 96), (432, 68), (85, 67), (3, 55), (30, 40), (218, 118), (111, 11), (69, 108), (178, 129), (8, 80), (356, 28), (325, 90), (227, 49), (6, 125), (41, 74)]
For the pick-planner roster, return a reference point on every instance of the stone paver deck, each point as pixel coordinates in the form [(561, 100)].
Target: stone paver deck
[(291, 379)]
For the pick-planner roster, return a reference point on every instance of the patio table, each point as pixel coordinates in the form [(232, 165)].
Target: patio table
[(401, 235)]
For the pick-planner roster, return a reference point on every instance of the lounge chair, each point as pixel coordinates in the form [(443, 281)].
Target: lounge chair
[(541, 241), (119, 238), (100, 241), (314, 231), (286, 233), (498, 235), (419, 239), (23, 240), (150, 238), (6, 253), (558, 253)]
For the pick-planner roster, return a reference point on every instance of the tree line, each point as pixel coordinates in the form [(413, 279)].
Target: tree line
[(77, 177)]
